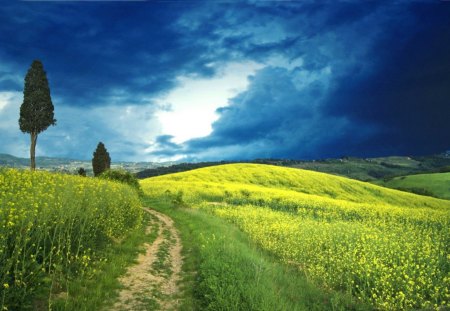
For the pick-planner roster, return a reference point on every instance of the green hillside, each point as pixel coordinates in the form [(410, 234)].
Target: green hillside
[(288, 182), (365, 169), (437, 184), (12, 161), (384, 247), (372, 168)]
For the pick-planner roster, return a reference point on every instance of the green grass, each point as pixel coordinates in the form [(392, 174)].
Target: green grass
[(100, 287), (225, 270), (363, 169), (370, 169), (437, 184), (161, 265)]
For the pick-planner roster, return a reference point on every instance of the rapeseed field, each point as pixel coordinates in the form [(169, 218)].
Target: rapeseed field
[(385, 247), (53, 229)]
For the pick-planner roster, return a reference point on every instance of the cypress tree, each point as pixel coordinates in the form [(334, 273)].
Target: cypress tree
[(36, 111), (101, 160), (82, 172)]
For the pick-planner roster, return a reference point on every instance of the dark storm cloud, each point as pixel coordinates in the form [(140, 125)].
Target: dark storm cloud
[(339, 78), (165, 141), (388, 91), (408, 96), (7, 84), (274, 118), (97, 53), (263, 109)]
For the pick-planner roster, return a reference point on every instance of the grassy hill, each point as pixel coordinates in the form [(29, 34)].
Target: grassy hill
[(365, 169), (382, 246), (285, 181), (12, 161), (437, 184), (369, 169)]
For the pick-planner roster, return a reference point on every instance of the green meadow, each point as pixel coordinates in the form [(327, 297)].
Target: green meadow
[(436, 184)]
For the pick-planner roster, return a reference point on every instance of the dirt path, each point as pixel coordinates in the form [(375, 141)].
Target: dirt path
[(151, 284)]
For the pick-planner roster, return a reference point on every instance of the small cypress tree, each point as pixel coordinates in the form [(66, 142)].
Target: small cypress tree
[(82, 172), (101, 160), (36, 111)]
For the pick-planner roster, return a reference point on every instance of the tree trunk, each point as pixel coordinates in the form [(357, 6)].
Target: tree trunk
[(33, 150)]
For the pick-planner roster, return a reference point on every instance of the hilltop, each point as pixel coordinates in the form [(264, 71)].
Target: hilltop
[(288, 181), (365, 169)]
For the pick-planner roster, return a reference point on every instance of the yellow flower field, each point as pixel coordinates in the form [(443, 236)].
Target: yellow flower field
[(385, 247), (52, 226)]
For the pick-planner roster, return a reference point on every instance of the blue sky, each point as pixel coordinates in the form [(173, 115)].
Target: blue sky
[(231, 80)]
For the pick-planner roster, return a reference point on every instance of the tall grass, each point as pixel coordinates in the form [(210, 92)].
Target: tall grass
[(383, 246), (53, 228)]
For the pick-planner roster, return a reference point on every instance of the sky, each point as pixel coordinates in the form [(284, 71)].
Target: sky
[(230, 80)]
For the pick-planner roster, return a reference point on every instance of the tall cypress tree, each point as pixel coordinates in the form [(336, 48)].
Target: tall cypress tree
[(36, 111), (101, 160)]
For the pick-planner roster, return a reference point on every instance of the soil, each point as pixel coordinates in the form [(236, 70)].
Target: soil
[(146, 287)]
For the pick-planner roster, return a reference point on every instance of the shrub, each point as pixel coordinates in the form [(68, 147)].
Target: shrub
[(444, 169), (124, 177)]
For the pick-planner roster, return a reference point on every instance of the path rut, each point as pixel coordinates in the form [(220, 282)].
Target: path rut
[(152, 283)]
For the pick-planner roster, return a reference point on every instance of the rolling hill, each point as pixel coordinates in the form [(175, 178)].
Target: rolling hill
[(258, 177), (365, 169), (384, 247), (437, 184)]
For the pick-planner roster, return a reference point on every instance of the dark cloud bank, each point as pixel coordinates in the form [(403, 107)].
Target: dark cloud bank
[(363, 78), (388, 92)]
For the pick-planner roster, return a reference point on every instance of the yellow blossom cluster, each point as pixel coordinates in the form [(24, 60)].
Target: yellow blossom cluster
[(54, 225)]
